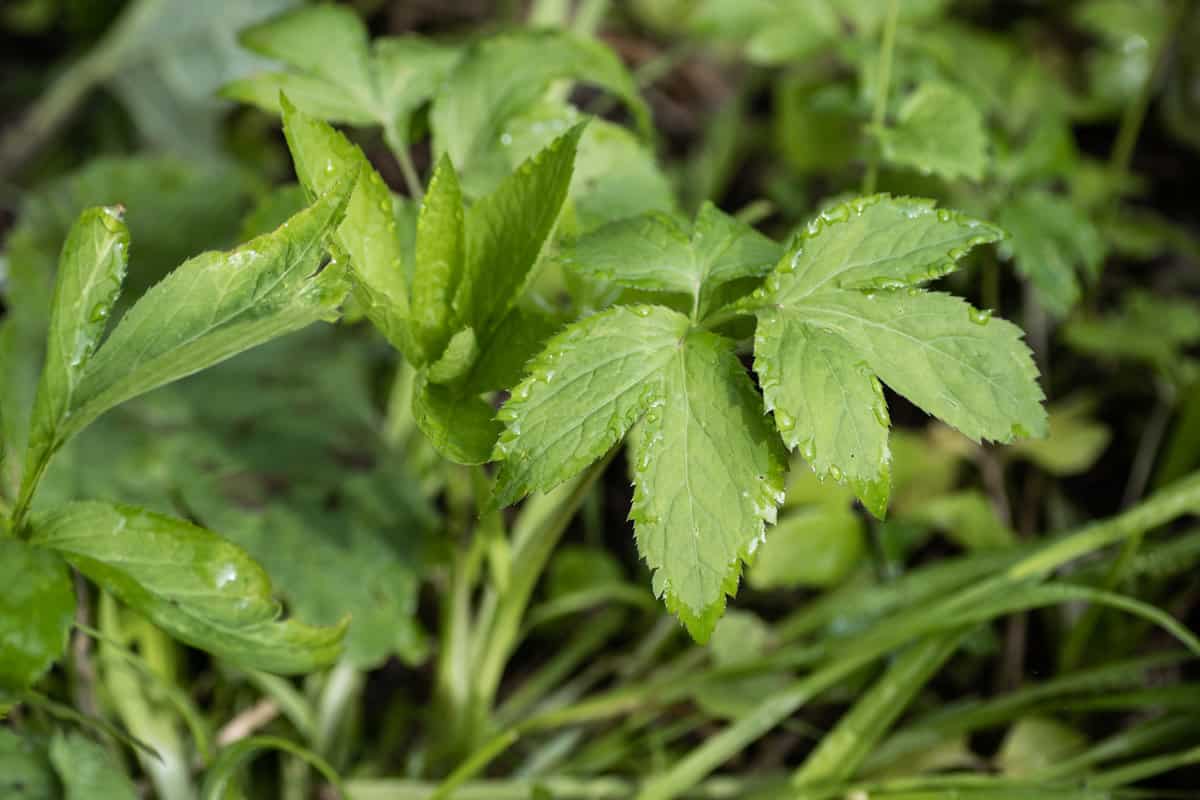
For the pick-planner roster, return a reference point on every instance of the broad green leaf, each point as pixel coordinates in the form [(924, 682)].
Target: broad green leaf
[(938, 131), (460, 424), (90, 274), (336, 75), (326, 41), (513, 71), (1049, 240), (709, 474), (25, 772), (440, 256), (217, 305), (952, 361), (843, 310), (199, 587), (655, 252), (816, 547), (37, 609), (87, 771), (876, 242), (827, 403), (707, 466), (584, 391), (506, 230), (323, 157)]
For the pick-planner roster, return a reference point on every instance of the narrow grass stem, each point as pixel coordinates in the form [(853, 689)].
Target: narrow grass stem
[(882, 85)]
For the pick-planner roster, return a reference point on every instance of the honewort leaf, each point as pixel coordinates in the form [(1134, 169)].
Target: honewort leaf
[(337, 75), (843, 310), (459, 423), (440, 253), (37, 608), (90, 274), (708, 471), (939, 131), (513, 72), (707, 465), (197, 586), (215, 306), (655, 252), (323, 157), (583, 393)]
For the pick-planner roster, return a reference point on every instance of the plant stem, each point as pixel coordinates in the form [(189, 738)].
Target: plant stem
[(399, 147), (881, 89)]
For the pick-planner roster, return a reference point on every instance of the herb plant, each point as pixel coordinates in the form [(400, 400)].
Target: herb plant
[(398, 385)]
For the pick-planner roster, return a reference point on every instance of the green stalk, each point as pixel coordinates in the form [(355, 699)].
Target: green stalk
[(542, 522), (399, 147), (881, 89)]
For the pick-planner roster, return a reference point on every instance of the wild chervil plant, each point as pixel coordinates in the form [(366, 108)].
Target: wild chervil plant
[(404, 407)]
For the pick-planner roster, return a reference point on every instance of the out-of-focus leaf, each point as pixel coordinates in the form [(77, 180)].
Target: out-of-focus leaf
[(513, 71), (25, 772), (1129, 33), (1074, 442), (1146, 329), (938, 131), (967, 518), (1050, 240), (810, 547), (1034, 743), (817, 126), (37, 608), (738, 639), (191, 582), (87, 771)]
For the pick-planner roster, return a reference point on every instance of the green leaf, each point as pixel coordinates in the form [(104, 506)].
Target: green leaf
[(1074, 442), (25, 772), (337, 76), (217, 305), (938, 131), (518, 338), (842, 310), (197, 586), (323, 158), (90, 274), (37, 609), (1050, 240), (513, 71), (815, 547), (87, 770), (458, 423), (440, 256), (456, 361), (1035, 743), (1148, 329), (583, 392), (708, 467), (506, 230), (655, 252), (709, 474), (967, 518), (219, 778)]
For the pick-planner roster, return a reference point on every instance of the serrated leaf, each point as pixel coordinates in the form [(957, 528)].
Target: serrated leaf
[(199, 587), (518, 337), (938, 131), (826, 330), (440, 257), (828, 404), (1050, 240), (216, 305), (876, 242), (37, 609), (709, 474), (656, 252), (583, 392), (323, 157), (505, 232), (87, 770), (708, 467), (91, 271), (513, 72), (460, 424)]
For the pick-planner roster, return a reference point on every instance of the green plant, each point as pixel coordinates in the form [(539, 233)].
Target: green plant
[(377, 393)]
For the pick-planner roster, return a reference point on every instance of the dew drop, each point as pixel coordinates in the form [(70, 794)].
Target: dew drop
[(979, 316)]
